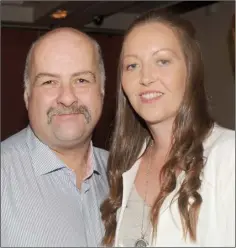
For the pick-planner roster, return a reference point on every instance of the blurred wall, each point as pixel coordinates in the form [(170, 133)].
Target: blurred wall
[(212, 26)]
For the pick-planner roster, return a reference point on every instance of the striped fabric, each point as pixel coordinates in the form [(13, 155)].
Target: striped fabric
[(40, 203)]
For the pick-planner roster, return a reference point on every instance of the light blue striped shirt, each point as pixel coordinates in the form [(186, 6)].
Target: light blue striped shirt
[(40, 203)]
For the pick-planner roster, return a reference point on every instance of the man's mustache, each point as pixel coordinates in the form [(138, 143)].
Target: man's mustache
[(73, 109)]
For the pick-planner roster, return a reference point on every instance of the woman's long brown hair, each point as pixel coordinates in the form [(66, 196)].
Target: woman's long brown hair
[(191, 126)]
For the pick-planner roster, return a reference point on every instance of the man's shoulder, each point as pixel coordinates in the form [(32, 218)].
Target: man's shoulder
[(14, 155), (101, 152), (14, 144), (101, 157)]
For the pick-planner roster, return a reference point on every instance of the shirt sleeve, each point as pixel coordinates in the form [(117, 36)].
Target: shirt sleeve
[(227, 204), (3, 175)]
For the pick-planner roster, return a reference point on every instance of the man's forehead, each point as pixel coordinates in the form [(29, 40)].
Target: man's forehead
[(69, 33), (64, 50), (67, 40)]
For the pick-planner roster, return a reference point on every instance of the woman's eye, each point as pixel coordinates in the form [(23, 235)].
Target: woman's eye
[(131, 67), (163, 62)]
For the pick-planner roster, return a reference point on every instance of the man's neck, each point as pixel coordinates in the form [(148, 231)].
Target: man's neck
[(75, 158)]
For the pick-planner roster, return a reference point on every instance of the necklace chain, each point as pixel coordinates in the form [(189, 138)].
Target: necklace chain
[(143, 233)]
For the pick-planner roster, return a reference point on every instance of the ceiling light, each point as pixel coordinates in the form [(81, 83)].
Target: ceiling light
[(59, 14)]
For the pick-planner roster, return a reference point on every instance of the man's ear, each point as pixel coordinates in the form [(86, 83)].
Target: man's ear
[(26, 98)]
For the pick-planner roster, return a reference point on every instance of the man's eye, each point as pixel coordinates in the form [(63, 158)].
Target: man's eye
[(82, 81), (49, 82)]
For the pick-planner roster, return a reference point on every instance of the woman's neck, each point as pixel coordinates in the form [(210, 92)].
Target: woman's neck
[(162, 136)]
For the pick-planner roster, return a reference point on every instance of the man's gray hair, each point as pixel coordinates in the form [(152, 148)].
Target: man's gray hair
[(99, 57)]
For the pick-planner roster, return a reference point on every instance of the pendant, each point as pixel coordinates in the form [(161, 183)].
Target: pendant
[(141, 243)]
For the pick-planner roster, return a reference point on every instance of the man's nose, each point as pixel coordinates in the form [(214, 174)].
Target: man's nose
[(67, 95)]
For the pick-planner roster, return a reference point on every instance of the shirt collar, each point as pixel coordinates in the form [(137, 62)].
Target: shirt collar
[(44, 160), (91, 165)]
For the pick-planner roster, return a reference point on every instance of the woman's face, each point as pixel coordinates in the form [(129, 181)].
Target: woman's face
[(154, 72)]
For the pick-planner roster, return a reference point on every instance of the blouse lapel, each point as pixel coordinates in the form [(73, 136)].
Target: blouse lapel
[(128, 181)]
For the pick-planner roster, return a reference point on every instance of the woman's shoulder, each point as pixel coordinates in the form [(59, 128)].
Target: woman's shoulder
[(221, 139), (219, 152)]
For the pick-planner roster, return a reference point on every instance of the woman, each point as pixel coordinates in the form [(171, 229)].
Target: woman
[(171, 168)]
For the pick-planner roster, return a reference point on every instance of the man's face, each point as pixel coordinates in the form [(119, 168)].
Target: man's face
[(64, 99)]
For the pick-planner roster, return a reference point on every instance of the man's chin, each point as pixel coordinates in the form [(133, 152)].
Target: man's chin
[(68, 135)]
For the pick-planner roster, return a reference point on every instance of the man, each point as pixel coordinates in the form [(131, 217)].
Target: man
[(53, 179)]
